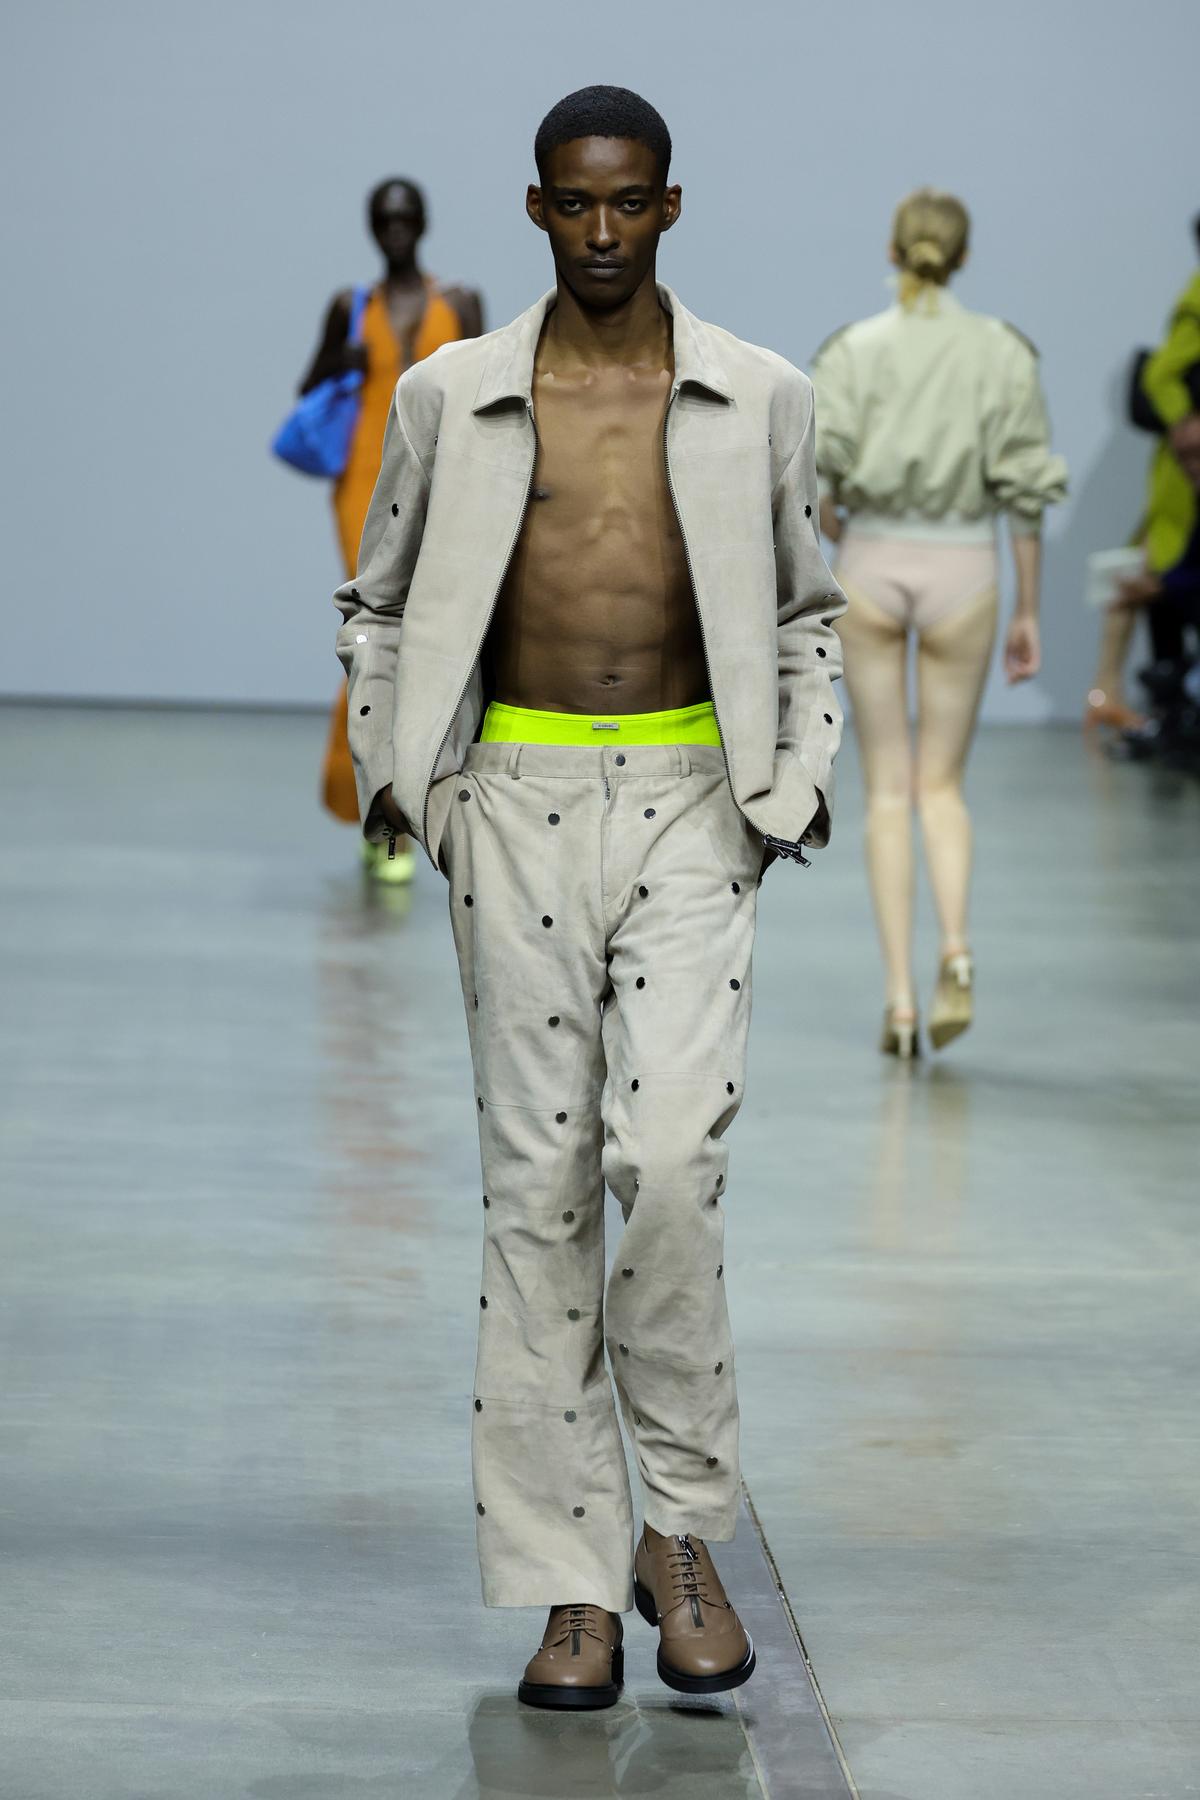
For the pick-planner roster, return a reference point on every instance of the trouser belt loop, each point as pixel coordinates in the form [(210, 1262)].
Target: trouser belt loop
[(514, 760), (684, 764)]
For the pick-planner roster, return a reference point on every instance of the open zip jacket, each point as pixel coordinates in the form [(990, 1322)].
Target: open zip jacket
[(458, 460)]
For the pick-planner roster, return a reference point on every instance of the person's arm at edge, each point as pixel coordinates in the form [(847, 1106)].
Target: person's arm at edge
[(1163, 380)]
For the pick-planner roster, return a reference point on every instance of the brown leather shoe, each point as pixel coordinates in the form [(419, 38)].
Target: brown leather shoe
[(703, 1647), (581, 1662)]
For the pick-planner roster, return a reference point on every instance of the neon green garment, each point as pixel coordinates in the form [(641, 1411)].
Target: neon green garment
[(522, 725), (1171, 499)]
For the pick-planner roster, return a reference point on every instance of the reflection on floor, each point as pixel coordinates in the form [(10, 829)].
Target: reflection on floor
[(239, 1218)]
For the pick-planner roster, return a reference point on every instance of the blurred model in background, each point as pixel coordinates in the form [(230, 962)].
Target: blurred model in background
[(930, 423), (1165, 400), (406, 318)]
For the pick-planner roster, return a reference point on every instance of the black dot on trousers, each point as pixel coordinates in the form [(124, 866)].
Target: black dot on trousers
[(552, 818), (479, 1406), (468, 900), (649, 814), (640, 982), (729, 1087), (480, 1508), (560, 1118), (644, 892), (547, 921), (363, 711), (395, 510), (735, 984)]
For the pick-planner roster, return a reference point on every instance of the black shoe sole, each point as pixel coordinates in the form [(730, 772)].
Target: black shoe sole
[(720, 1683), (580, 1699)]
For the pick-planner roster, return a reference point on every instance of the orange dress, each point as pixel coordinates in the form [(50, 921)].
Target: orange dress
[(439, 325)]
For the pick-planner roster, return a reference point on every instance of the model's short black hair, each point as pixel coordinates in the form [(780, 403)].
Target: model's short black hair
[(609, 112), (380, 189)]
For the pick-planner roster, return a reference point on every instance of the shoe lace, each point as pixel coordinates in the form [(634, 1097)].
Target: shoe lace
[(687, 1579), (576, 1618)]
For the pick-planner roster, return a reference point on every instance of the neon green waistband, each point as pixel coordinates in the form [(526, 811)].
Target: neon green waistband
[(521, 725)]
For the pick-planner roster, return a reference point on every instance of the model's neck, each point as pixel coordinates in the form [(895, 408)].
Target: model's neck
[(639, 331), (403, 274)]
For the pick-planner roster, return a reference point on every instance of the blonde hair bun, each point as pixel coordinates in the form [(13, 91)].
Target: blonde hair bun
[(926, 260), (929, 233)]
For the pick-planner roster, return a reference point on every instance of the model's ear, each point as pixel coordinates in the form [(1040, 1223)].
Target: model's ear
[(672, 206), (533, 206)]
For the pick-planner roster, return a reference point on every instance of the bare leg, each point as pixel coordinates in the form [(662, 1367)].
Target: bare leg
[(953, 657), (1106, 697), (876, 646)]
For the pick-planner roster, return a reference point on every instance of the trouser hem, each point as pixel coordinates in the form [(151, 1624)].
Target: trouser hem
[(615, 1599), (714, 1528)]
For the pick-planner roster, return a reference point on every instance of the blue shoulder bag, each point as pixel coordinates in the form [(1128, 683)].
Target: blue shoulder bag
[(315, 436)]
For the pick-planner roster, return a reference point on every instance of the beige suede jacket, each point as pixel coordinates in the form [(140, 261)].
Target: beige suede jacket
[(458, 460)]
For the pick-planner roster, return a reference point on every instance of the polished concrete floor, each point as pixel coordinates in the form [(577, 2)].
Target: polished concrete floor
[(239, 1237)]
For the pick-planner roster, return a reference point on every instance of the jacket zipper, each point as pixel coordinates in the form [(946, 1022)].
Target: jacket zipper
[(687, 557), (486, 623)]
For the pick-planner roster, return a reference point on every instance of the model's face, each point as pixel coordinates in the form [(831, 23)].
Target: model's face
[(396, 223), (603, 205)]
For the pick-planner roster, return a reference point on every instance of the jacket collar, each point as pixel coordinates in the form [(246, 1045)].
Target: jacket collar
[(508, 371)]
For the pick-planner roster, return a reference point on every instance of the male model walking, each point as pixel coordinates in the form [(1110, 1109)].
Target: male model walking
[(591, 662)]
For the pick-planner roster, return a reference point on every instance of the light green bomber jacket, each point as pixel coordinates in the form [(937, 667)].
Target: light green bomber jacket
[(458, 461), (935, 413)]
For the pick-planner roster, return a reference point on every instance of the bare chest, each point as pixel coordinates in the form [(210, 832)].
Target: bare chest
[(601, 460), (405, 311)]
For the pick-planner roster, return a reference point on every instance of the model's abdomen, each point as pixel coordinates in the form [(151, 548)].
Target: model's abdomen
[(597, 611)]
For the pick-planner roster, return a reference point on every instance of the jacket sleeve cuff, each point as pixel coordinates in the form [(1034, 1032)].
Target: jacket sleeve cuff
[(371, 777)]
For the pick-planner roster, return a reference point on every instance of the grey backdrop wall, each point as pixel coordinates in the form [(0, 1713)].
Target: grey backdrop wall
[(185, 190)]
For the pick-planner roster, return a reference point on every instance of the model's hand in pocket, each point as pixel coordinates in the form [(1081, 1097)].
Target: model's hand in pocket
[(387, 809)]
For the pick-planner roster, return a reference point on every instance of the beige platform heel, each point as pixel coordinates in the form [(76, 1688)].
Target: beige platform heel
[(953, 1000), (901, 1037)]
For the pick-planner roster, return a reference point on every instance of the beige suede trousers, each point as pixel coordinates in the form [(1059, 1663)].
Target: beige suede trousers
[(603, 903)]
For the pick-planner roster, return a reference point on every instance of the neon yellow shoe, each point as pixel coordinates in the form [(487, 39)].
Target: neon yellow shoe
[(394, 871)]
